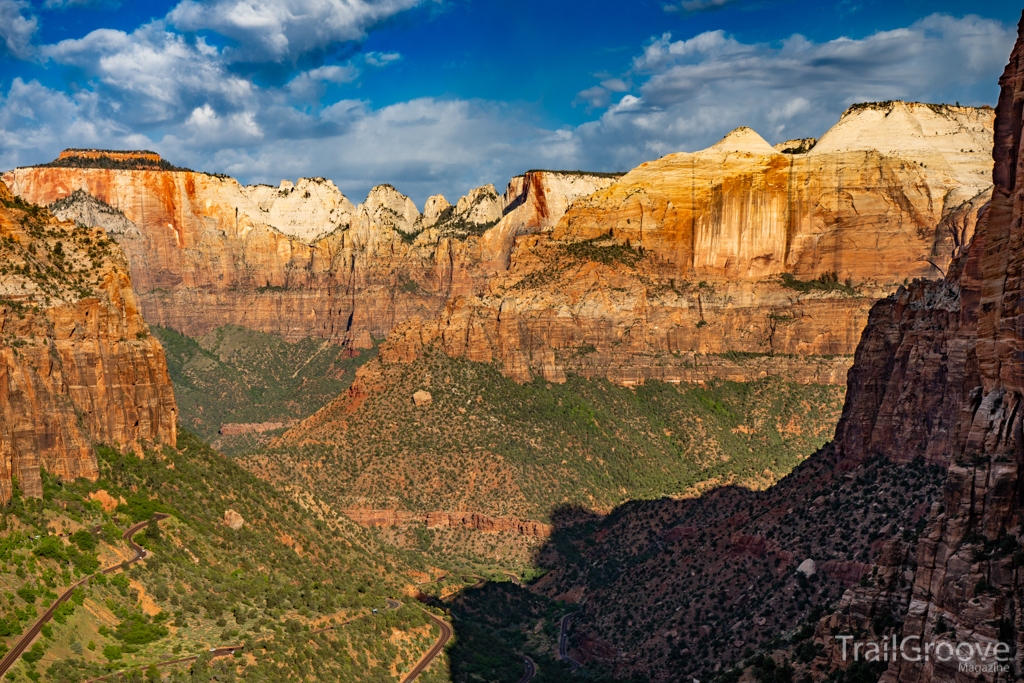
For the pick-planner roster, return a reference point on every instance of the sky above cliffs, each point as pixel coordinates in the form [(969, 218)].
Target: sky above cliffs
[(445, 95)]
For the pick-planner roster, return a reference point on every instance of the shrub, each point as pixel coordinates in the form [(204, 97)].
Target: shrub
[(136, 630), (84, 540), (51, 548), (27, 594), (34, 654)]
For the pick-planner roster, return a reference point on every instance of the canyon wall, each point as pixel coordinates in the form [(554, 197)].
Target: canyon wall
[(739, 261), (940, 374), (298, 260), (876, 199), (735, 262), (77, 363)]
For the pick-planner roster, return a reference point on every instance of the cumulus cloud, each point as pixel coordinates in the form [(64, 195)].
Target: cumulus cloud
[(310, 84), (277, 30), (423, 146), (16, 29), (37, 122), (162, 74), (696, 90), (155, 88)]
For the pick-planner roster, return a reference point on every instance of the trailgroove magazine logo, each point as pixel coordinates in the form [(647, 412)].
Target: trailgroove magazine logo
[(971, 657)]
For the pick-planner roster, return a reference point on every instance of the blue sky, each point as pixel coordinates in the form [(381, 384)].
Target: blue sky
[(444, 95)]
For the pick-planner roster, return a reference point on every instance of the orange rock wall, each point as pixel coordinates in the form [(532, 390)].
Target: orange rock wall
[(450, 520), (75, 371)]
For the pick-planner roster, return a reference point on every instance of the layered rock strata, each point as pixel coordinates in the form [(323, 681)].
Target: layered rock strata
[(733, 262), (450, 520), (940, 375), (737, 261), (77, 363)]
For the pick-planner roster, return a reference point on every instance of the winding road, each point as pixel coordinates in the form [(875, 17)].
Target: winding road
[(8, 661), (531, 670), (224, 651), (432, 653), (563, 643)]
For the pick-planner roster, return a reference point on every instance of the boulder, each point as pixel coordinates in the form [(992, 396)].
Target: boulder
[(422, 398), (233, 520), (808, 567)]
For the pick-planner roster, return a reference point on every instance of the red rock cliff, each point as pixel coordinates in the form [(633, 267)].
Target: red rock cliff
[(940, 374), (674, 271), (77, 363)]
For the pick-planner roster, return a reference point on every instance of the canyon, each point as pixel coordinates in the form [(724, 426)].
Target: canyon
[(548, 324), (930, 434), (77, 363), (738, 261)]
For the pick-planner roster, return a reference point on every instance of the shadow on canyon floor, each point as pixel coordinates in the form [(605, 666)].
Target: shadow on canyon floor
[(674, 589)]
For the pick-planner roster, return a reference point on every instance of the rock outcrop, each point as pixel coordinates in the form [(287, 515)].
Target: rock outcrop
[(736, 262), (307, 210), (535, 202), (77, 363), (233, 520), (940, 375), (450, 520)]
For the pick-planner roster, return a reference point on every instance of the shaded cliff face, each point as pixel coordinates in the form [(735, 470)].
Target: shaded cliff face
[(77, 363), (940, 373), (911, 515)]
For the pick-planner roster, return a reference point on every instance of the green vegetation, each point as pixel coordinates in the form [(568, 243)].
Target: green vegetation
[(50, 261), (289, 571), (457, 226), (603, 250), (125, 163), (730, 557), (826, 282), (490, 445), (235, 375)]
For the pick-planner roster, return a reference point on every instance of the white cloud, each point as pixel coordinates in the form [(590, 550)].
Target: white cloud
[(275, 30), (16, 30), (37, 122), (310, 84), (381, 58), (422, 147), (154, 88), (161, 74), (698, 89)]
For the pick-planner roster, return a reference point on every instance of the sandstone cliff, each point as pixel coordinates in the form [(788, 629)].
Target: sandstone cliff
[(869, 201), (736, 262), (77, 363), (940, 374), (535, 202), (297, 260), (732, 262)]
